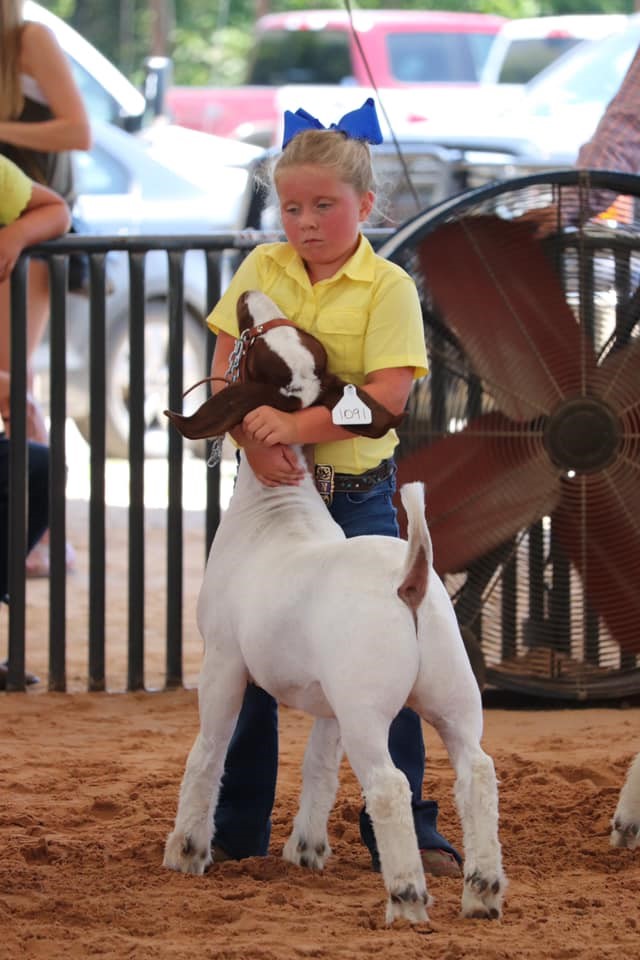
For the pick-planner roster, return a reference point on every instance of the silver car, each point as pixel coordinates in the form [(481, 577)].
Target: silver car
[(556, 113)]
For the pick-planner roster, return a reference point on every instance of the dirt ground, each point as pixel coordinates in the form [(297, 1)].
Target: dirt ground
[(90, 783)]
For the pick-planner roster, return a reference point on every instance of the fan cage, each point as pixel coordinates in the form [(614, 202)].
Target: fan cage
[(525, 601)]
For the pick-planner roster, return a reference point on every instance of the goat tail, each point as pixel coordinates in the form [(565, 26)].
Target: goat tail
[(419, 559)]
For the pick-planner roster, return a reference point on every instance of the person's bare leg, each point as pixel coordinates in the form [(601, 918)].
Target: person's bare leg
[(37, 318)]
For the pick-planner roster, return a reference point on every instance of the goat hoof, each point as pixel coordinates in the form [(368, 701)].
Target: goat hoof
[(408, 903), (184, 854), (482, 896), (305, 853), (625, 834)]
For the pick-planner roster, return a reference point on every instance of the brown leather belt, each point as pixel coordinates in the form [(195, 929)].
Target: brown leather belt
[(329, 482)]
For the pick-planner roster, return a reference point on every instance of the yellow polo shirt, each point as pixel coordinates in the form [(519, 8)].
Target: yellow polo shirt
[(15, 191), (367, 316)]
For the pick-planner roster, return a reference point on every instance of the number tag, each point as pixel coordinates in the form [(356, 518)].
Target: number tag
[(350, 410)]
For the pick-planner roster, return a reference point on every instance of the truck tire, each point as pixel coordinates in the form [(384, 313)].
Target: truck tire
[(156, 381)]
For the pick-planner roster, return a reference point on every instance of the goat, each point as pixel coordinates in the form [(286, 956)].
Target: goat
[(349, 630), (625, 824)]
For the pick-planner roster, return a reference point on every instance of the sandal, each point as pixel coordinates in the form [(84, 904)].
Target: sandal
[(435, 862), (440, 863), (38, 563), (29, 678)]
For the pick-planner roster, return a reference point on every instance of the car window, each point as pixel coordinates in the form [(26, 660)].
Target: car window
[(480, 45), (305, 56), (97, 172), (100, 105), (437, 57), (530, 55)]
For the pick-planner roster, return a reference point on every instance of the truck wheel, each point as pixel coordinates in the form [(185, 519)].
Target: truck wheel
[(156, 379)]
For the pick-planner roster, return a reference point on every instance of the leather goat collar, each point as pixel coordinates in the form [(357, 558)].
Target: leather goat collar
[(246, 339)]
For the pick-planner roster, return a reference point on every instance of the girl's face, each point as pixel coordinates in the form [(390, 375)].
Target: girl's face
[(321, 217)]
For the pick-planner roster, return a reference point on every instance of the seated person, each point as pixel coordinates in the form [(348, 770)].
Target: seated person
[(29, 214)]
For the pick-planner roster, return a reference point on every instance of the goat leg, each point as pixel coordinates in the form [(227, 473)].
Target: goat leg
[(308, 845), (221, 689), (625, 825)]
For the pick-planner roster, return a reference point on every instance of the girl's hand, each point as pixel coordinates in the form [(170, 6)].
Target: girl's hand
[(274, 466), (10, 250), (271, 427)]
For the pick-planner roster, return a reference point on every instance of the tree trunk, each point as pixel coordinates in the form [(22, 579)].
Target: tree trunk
[(161, 26)]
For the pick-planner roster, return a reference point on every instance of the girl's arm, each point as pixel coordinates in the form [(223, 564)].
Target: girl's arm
[(46, 216), (43, 59), (390, 387)]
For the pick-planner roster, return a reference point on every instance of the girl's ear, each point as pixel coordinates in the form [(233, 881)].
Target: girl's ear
[(366, 204)]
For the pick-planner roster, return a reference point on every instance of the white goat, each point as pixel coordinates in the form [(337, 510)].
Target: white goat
[(625, 825), (349, 630)]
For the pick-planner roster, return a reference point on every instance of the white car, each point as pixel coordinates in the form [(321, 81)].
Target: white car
[(556, 113), (129, 185), (107, 93), (525, 46)]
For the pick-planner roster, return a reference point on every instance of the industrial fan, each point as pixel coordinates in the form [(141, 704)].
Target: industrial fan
[(527, 433)]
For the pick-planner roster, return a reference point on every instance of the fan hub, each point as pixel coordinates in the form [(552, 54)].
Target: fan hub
[(583, 434)]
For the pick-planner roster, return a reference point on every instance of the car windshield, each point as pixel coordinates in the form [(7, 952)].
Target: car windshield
[(324, 57), (423, 57), (588, 75), (305, 56), (530, 55)]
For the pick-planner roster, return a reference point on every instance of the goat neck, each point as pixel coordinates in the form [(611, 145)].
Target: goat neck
[(292, 510)]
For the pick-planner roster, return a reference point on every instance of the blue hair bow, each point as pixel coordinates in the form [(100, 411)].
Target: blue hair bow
[(360, 124)]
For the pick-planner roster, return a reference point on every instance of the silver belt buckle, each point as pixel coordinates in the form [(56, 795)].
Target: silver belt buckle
[(323, 476)]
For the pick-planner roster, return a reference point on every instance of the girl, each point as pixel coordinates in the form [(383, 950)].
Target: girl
[(42, 118), (326, 279)]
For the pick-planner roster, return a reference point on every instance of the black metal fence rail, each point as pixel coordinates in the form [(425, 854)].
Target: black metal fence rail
[(215, 248), (222, 252)]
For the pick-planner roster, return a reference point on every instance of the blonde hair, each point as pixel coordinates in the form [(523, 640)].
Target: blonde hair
[(11, 24), (348, 159)]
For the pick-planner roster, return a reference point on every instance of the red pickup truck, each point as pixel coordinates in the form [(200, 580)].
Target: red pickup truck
[(387, 48)]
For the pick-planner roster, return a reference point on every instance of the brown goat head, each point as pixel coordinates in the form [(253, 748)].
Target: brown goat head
[(278, 365)]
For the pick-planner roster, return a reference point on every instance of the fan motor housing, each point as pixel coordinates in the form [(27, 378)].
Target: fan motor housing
[(583, 434)]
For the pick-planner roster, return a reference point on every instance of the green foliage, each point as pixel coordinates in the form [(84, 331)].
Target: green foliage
[(210, 39), (219, 59)]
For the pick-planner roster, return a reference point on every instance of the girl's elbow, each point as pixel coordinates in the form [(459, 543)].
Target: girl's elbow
[(83, 137)]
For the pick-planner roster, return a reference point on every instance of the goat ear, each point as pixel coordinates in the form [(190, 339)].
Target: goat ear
[(381, 418), (245, 320), (226, 409)]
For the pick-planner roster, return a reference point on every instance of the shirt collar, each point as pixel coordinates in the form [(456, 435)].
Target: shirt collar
[(360, 265)]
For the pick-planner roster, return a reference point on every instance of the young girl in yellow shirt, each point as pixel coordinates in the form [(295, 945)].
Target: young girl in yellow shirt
[(326, 279)]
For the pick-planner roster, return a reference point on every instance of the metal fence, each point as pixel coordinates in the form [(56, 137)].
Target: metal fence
[(220, 252)]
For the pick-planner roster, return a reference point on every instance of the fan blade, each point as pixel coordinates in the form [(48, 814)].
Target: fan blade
[(504, 302), (483, 485), (598, 527), (616, 382)]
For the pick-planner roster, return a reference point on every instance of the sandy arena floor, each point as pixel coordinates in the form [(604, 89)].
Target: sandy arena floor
[(90, 783)]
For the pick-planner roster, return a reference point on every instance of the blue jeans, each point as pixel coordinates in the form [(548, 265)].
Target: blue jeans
[(243, 815)]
